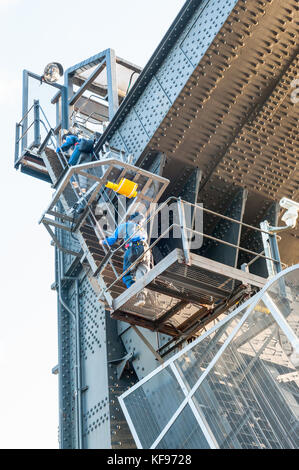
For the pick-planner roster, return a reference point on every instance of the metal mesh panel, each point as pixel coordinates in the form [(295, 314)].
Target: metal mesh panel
[(285, 294), (241, 379), (156, 305), (193, 363), (242, 390), (151, 406), (184, 433), (200, 275)]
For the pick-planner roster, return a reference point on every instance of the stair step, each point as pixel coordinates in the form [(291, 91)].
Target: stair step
[(99, 255), (51, 160)]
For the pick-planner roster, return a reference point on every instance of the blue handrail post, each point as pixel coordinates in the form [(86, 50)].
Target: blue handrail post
[(17, 142), (37, 137)]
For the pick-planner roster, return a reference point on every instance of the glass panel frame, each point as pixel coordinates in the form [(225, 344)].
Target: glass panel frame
[(259, 316)]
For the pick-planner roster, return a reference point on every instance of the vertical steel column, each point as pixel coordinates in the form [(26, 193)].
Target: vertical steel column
[(112, 83), (275, 252), (58, 113), (37, 137), (25, 108), (239, 227), (64, 108), (271, 249), (66, 94), (17, 143), (184, 232), (78, 367), (79, 371), (60, 375)]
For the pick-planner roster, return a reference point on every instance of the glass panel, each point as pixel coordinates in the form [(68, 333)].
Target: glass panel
[(185, 433), (250, 398), (153, 404), (285, 294), (193, 363)]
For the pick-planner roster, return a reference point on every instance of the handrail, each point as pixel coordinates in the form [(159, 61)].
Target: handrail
[(45, 141), (49, 130), (25, 115), (165, 203), (23, 135), (50, 135), (194, 232), (258, 255), (146, 222), (85, 120), (197, 207), (113, 251), (45, 116), (227, 218)]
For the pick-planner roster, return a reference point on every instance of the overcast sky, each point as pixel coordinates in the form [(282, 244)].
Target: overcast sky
[(34, 33)]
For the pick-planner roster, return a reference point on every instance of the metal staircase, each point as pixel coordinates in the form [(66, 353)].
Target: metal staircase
[(187, 288), (213, 111)]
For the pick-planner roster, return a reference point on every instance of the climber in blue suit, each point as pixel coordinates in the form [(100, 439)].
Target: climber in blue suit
[(82, 153), (135, 239), (71, 142)]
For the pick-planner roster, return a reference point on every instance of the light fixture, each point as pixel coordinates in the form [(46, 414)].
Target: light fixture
[(53, 71), (289, 217)]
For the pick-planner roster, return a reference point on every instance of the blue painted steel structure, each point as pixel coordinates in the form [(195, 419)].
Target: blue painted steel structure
[(166, 74)]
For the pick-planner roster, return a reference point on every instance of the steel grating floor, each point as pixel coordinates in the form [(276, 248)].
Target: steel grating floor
[(177, 292)]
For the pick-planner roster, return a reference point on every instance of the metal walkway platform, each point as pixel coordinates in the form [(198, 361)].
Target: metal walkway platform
[(214, 112), (178, 292), (98, 174), (185, 289)]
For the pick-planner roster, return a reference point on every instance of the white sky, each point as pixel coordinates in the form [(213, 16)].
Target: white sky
[(33, 33)]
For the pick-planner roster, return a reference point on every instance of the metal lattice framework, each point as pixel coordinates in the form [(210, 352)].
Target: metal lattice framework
[(212, 113), (225, 100), (223, 389)]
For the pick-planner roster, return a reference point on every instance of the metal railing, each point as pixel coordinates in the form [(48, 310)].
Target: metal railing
[(36, 123), (183, 229), (20, 129), (50, 139), (77, 114)]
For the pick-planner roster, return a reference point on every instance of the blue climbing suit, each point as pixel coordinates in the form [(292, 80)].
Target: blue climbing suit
[(72, 141), (133, 249)]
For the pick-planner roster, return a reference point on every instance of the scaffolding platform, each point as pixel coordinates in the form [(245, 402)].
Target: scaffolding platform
[(32, 163), (178, 292), (86, 227), (98, 174), (185, 289)]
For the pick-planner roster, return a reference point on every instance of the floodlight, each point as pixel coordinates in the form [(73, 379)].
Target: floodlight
[(291, 215), (53, 71)]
